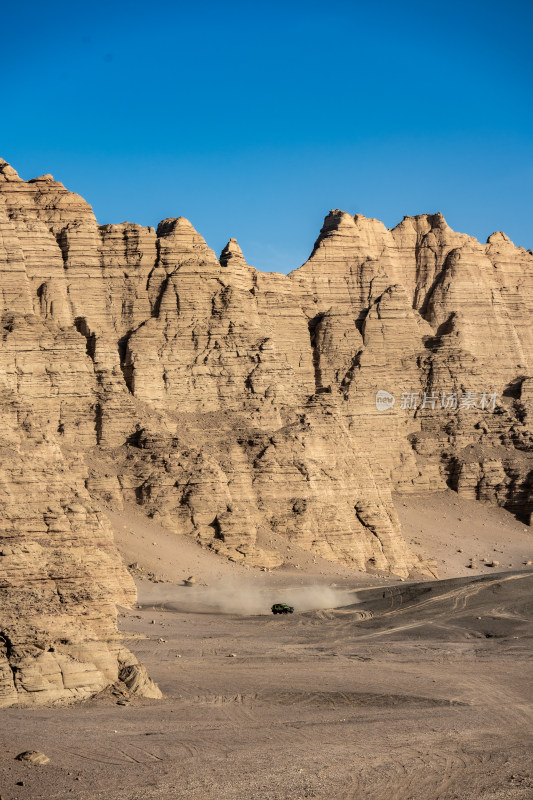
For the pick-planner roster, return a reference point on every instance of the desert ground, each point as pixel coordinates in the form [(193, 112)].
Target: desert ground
[(374, 688)]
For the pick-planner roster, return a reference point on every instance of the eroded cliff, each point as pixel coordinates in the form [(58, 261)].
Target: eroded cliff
[(231, 404)]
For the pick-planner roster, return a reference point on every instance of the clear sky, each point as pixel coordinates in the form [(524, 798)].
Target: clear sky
[(254, 119)]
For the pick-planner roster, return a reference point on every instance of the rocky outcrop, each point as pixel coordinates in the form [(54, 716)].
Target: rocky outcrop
[(60, 575), (232, 405)]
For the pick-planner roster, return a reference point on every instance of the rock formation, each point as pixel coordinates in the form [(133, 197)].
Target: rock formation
[(231, 404)]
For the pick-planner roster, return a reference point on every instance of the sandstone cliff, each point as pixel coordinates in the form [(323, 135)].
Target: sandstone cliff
[(231, 404)]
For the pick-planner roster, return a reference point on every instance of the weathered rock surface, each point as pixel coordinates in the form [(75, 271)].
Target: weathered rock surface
[(137, 682), (232, 404), (33, 757)]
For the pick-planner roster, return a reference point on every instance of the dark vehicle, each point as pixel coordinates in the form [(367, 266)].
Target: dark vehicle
[(282, 608)]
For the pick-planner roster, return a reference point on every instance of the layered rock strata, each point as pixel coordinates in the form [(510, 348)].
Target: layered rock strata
[(232, 405)]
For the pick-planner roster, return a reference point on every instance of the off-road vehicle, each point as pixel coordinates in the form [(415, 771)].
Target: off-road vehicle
[(282, 608)]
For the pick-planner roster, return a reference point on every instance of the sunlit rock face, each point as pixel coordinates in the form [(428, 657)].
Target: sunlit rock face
[(231, 404)]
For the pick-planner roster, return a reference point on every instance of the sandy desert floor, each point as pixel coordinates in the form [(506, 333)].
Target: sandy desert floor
[(408, 691)]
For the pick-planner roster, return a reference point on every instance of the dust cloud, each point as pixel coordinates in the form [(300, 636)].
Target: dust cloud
[(244, 599)]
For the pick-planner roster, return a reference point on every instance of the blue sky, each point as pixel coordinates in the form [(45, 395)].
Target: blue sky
[(254, 119)]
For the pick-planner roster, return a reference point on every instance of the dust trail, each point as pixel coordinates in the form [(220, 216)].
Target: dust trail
[(244, 598)]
